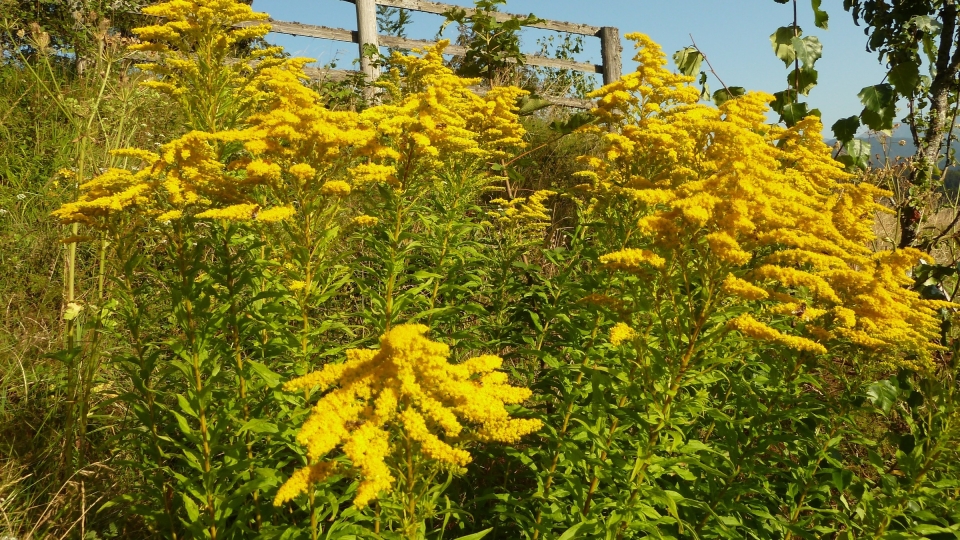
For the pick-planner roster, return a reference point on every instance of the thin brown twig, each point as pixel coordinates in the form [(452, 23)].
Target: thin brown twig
[(709, 65)]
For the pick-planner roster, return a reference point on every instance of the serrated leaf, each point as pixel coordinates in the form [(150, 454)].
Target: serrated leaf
[(182, 423), (571, 124), (879, 106), (272, 379), (726, 94), (905, 78), (794, 112), (820, 17), (782, 41), (808, 50), (185, 405), (193, 511), (859, 153), (803, 80), (925, 23), (688, 61), (845, 129)]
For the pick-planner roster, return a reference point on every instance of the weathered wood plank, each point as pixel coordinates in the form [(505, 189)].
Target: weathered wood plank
[(339, 34), (440, 8), (310, 30)]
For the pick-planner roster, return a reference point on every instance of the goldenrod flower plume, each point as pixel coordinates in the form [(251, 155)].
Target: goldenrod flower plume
[(407, 389)]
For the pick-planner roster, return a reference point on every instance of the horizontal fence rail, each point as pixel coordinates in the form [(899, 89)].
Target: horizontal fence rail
[(366, 35)]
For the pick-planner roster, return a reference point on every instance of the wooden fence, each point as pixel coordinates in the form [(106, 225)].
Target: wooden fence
[(366, 35)]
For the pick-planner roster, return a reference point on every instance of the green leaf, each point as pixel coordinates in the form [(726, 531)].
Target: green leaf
[(802, 80), (820, 17), (883, 394), (476, 536), (182, 423), (782, 41), (905, 78), (856, 154), (726, 94), (688, 60), (879, 106), (573, 123), (532, 104), (845, 129), (794, 112), (259, 425), (185, 406), (193, 511), (571, 533), (925, 23), (272, 379), (808, 50)]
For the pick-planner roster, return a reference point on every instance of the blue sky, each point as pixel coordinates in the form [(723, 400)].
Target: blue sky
[(735, 35)]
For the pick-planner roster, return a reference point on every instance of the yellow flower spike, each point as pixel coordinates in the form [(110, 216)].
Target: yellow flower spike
[(237, 212), (744, 289), (170, 215), (621, 333), (753, 328), (407, 388), (276, 214), (304, 477), (632, 260)]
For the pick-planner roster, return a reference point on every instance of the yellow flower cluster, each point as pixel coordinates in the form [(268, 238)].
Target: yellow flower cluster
[(407, 388), (295, 153), (311, 148), (621, 333), (105, 195), (751, 327), (632, 259), (198, 35), (744, 289), (431, 115), (524, 216), (765, 204), (365, 221)]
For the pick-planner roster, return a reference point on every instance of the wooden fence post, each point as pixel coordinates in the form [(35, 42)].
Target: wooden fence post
[(367, 32), (610, 53)]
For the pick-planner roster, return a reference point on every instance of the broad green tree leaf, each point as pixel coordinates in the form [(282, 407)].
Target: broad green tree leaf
[(905, 78), (856, 154), (820, 17), (793, 112), (726, 94), (782, 41), (925, 23), (879, 106), (688, 61), (846, 128), (808, 50), (803, 80)]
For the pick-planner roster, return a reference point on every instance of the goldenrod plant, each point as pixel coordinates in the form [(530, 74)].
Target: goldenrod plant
[(381, 322)]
